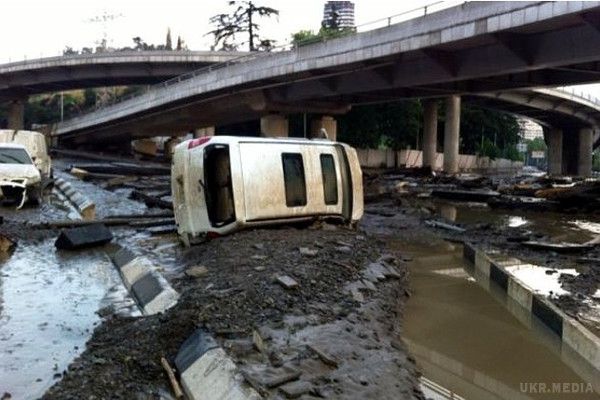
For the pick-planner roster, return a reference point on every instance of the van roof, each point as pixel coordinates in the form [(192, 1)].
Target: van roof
[(19, 131), (255, 139), (12, 146)]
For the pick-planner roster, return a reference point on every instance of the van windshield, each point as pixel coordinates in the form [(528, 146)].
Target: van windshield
[(14, 156)]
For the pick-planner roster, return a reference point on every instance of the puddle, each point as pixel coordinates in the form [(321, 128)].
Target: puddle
[(48, 304), (541, 280), (560, 227), (473, 342)]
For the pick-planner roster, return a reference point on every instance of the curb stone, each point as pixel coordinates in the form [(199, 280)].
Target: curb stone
[(570, 331), (150, 289), (84, 206), (208, 373)]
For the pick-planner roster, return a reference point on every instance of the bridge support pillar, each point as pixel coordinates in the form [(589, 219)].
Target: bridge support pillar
[(430, 122), (451, 134), (584, 157), (274, 125), (554, 140), (326, 123), (206, 131), (16, 114)]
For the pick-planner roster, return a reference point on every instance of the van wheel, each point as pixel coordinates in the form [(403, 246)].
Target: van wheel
[(35, 195)]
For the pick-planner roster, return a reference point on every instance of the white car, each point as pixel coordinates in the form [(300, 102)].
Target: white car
[(35, 143), (20, 180)]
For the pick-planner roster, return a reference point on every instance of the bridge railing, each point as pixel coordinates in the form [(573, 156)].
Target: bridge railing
[(288, 46), (587, 96)]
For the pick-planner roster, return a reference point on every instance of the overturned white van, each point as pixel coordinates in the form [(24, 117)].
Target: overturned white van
[(221, 184), (35, 143)]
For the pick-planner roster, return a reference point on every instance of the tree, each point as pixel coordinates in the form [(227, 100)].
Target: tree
[(169, 44), (241, 21), (537, 144)]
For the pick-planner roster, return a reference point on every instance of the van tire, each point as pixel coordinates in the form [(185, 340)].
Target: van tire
[(34, 194)]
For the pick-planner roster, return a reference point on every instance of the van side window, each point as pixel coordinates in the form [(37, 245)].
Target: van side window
[(293, 176), (329, 179)]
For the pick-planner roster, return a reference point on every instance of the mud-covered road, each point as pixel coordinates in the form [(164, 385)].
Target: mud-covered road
[(236, 292)]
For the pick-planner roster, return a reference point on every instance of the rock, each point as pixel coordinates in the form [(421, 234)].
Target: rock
[(258, 246), (294, 390), (239, 347), (357, 295), (344, 249), (6, 244), (197, 271), (369, 285), (259, 257), (273, 377), (260, 268), (375, 272), (259, 343), (305, 251), (287, 282), (391, 272)]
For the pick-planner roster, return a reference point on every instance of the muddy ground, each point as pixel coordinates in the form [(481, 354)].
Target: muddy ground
[(239, 294)]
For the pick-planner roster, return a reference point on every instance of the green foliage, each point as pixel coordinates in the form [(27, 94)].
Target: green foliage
[(305, 37), (478, 124), (395, 125), (596, 160), (168, 41), (241, 21), (537, 144)]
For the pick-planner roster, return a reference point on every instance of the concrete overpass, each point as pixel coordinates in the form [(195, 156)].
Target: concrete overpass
[(470, 49), (18, 80), (566, 115)]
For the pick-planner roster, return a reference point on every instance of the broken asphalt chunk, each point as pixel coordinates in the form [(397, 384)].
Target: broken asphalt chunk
[(305, 251), (294, 390), (287, 282)]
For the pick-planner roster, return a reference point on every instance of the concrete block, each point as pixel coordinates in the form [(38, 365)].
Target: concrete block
[(550, 316), (584, 342), (122, 257), (166, 299), (146, 288), (134, 270), (214, 376), (520, 293), (193, 348), (84, 236), (482, 263)]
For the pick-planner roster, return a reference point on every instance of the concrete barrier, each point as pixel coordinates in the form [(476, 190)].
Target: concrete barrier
[(150, 289), (83, 237), (208, 373), (571, 333), (387, 158), (84, 206)]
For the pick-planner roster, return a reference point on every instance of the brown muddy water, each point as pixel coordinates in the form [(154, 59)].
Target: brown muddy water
[(473, 342)]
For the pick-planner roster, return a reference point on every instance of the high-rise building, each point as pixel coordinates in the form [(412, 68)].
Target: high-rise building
[(338, 14), (529, 130)]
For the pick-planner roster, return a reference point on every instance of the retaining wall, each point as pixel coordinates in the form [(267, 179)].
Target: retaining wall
[(571, 333), (387, 158)]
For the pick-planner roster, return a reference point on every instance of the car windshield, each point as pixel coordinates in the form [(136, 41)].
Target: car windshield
[(14, 156)]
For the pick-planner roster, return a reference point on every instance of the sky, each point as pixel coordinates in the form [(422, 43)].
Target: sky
[(42, 28)]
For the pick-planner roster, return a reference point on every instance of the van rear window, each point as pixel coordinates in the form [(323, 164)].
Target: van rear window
[(329, 179), (293, 176)]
